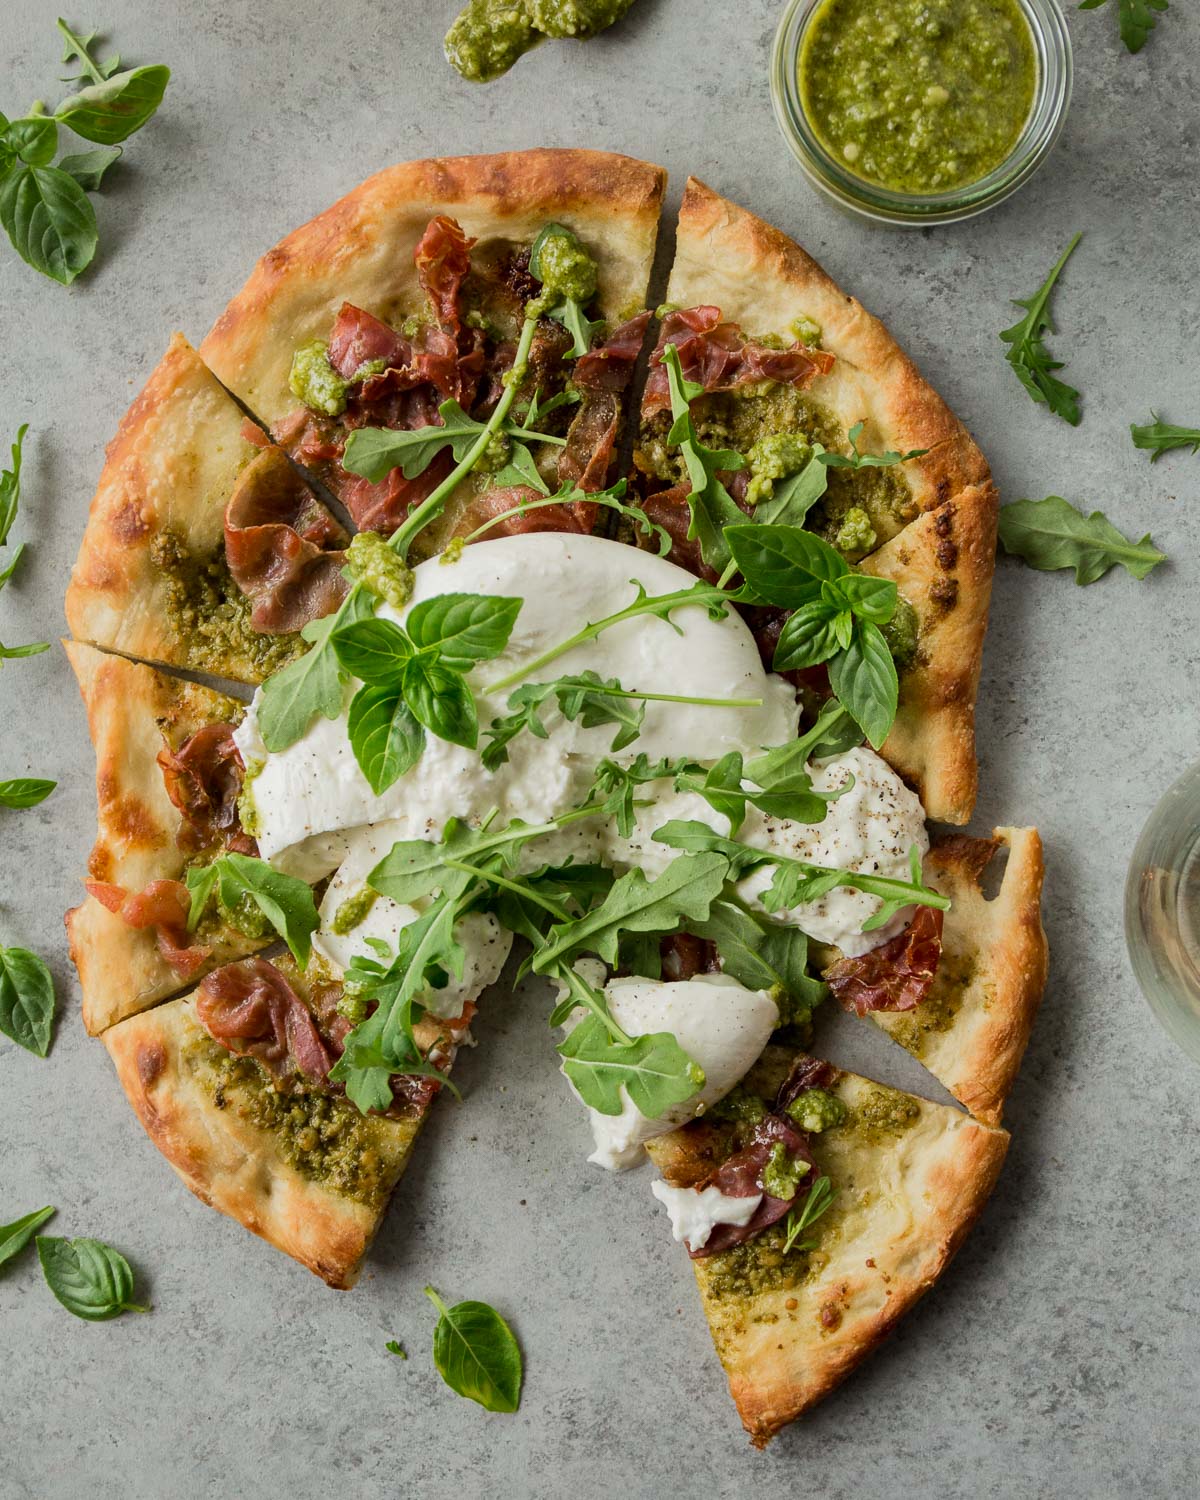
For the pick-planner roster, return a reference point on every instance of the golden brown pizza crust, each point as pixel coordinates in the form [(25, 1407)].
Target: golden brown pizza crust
[(763, 280), (155, 536), (972, 1031), (165, 1061), (942, 565), (905, 1200), (133, 713)]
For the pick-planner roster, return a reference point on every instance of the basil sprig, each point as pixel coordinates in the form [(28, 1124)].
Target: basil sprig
[(476, 1353), (286, 903), (89, 1278), (15, 1236), (27, 1000), (1027, 352), (836, 615), (711, 505), (1050, 534)]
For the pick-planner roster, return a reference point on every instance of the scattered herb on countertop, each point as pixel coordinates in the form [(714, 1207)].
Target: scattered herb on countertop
[(1027, 352), (27, 1000), (394, 1346), (1052, 533), (89, 1278), (1134, 17), (10, 500), (15, 1236), (476, 1353), (25, 791), (44, 208), (1158, 437)]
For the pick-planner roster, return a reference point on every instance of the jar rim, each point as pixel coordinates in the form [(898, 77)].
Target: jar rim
[(1052, 97)]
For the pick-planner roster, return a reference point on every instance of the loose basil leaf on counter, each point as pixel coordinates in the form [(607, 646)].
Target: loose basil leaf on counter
[(26, 1000), (1050, 534), (476, 1353), (15, 1236), (48, 218), (287, 903), (34, 139), (112, 109), (1027, 352), (1158, 437), (88, 167), (856, 460), (1134, 17), (10, 492), (25, 791), (89, 1278)]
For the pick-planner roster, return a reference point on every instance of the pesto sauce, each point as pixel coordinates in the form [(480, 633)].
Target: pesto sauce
[(937, 1011), (488, 36), (354, 910), (919, 96), (380, 568), (903, 635), (883, 1114)]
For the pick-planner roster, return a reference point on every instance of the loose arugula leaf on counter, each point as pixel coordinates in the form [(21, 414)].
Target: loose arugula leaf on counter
[(856, 460), (711, 504), (15, 1236), (1051, 533), (10, 500), (27, 1000), (820, 1196), (394, 1346), (25, 791), (287, 903), (476, 1353), (1134, 17), (374, 452), (13, 653), (1158, 437), (1027, 352), (89, 1278)]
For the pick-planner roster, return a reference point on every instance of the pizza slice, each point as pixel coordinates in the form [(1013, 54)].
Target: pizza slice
[(411, 293), (167, 782), (162, 574), (817, 1206), (231, 1084), (786, 361)]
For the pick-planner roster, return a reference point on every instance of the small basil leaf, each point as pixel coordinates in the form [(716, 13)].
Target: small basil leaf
[(88, 167), (441, 700), (476, 1353), (51, 223), (34, 139), (870, 598), (110, 112), (387, 741), (465, 628), (374, 651), (89, 1278), (15, 1236), (25, 791), (863, 678), (781, 563), (26, 1000), (808, 638)]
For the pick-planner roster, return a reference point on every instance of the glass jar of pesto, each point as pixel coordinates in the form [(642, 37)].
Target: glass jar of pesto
[(921, 111)]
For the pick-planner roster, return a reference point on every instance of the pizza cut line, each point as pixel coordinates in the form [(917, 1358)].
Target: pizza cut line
[(504, 689)]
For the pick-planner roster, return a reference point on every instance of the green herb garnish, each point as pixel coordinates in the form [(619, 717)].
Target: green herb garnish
[(476, 1353), (15, 1236), (286, 903), (1051, 533), (25, 791), (820, 1196), (1030, 358), (89, 1278), (856, 460), (1158, 437), (10, 500), (1134, 17), (27, 1000), (711, 505)]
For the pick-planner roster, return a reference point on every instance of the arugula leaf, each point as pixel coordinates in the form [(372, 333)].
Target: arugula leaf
[(465, 628), (287, 903), (653, 1069), (711, 504), (15, 1236), (10, 500), (25, 791), (1052, 533), (1159, 437), (78, 48), (568, 494), (476, 1353), (374, 452), (12, 653), (89, 1278), (394, 1346), (856, 460), (27, 1000), (863, 677), (833, 732), (88, 167), (112, 109), (415, 868), (820, 1196), (521, 469), (386, 739), (761, 954), (49, 220), (1028, 354), (795, 496), (1135, 18)]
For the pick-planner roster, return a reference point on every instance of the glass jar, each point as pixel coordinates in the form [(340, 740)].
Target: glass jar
[(1052, 97), (1162, 912)]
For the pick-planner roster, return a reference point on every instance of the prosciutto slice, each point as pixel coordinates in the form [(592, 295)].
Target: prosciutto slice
[(204, 780), (283, 547), (251, 1009), (163, 905), (601, 376), (741, 1177), (896, 976)]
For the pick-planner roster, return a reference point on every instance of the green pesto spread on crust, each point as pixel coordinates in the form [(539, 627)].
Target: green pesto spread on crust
[(902, 634), (783, 1172), (206, 609), (762, 1265), (488, 36), (936, 1013), (314, 381), (883, 1114), (778, 455)]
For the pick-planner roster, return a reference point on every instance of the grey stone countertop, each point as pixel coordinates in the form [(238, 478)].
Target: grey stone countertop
[(1060, 1356)]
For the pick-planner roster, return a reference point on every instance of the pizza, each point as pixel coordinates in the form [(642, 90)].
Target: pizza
[(456, 610)]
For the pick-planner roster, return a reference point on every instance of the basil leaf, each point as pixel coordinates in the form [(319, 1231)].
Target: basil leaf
[(653, 1070), (441, 700), (25, 791), (795, 496), (863, 678), (48, 218), (88, 167), (287, 903), (89, 1278), (34, 139), (1052, 533), (1027, 352), (387, 741), (374, 651), (112, 111), (476, 1353), (26, 1000), (15, 1236), (808, 638), (521, 469), (870, 598), (10, 489), (782, 563), (465, 628)]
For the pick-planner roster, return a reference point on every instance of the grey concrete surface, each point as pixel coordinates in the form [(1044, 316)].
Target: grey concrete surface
[(1061, 1355)]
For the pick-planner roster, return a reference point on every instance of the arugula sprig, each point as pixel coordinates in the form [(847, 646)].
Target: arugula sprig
[(835, 617), (285, 902), (856, 460), (374, 452), (1158, 437), (569, 494), (44, 208), (1052, 533), (1027, 352), (711, 505), (1134, 17), (820, 1197), (10, 500)]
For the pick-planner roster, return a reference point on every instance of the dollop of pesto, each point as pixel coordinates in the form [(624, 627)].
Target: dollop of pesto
[(354, 910), (565, 269), (740, 1105), (783, 1172), (808, 331), (816, 1110), (777, 455), (920, 96), (314, 381), (884, 1114), (244, 916), (378, 568), (902, 633), (579, 18), (488, 36), (246, 805), (856, 536)]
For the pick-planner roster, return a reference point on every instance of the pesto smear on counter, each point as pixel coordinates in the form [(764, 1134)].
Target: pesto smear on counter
[(920, 96), (488, 36)]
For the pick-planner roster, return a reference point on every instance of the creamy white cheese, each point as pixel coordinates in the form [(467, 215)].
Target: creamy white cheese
[(718, 1022), (695, 1213)]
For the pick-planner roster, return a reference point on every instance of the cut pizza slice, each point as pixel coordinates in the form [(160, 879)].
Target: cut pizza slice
[(168, 778), (231, 1085), (818, 1206), (790, 368), (411, 292), (162, 575)]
